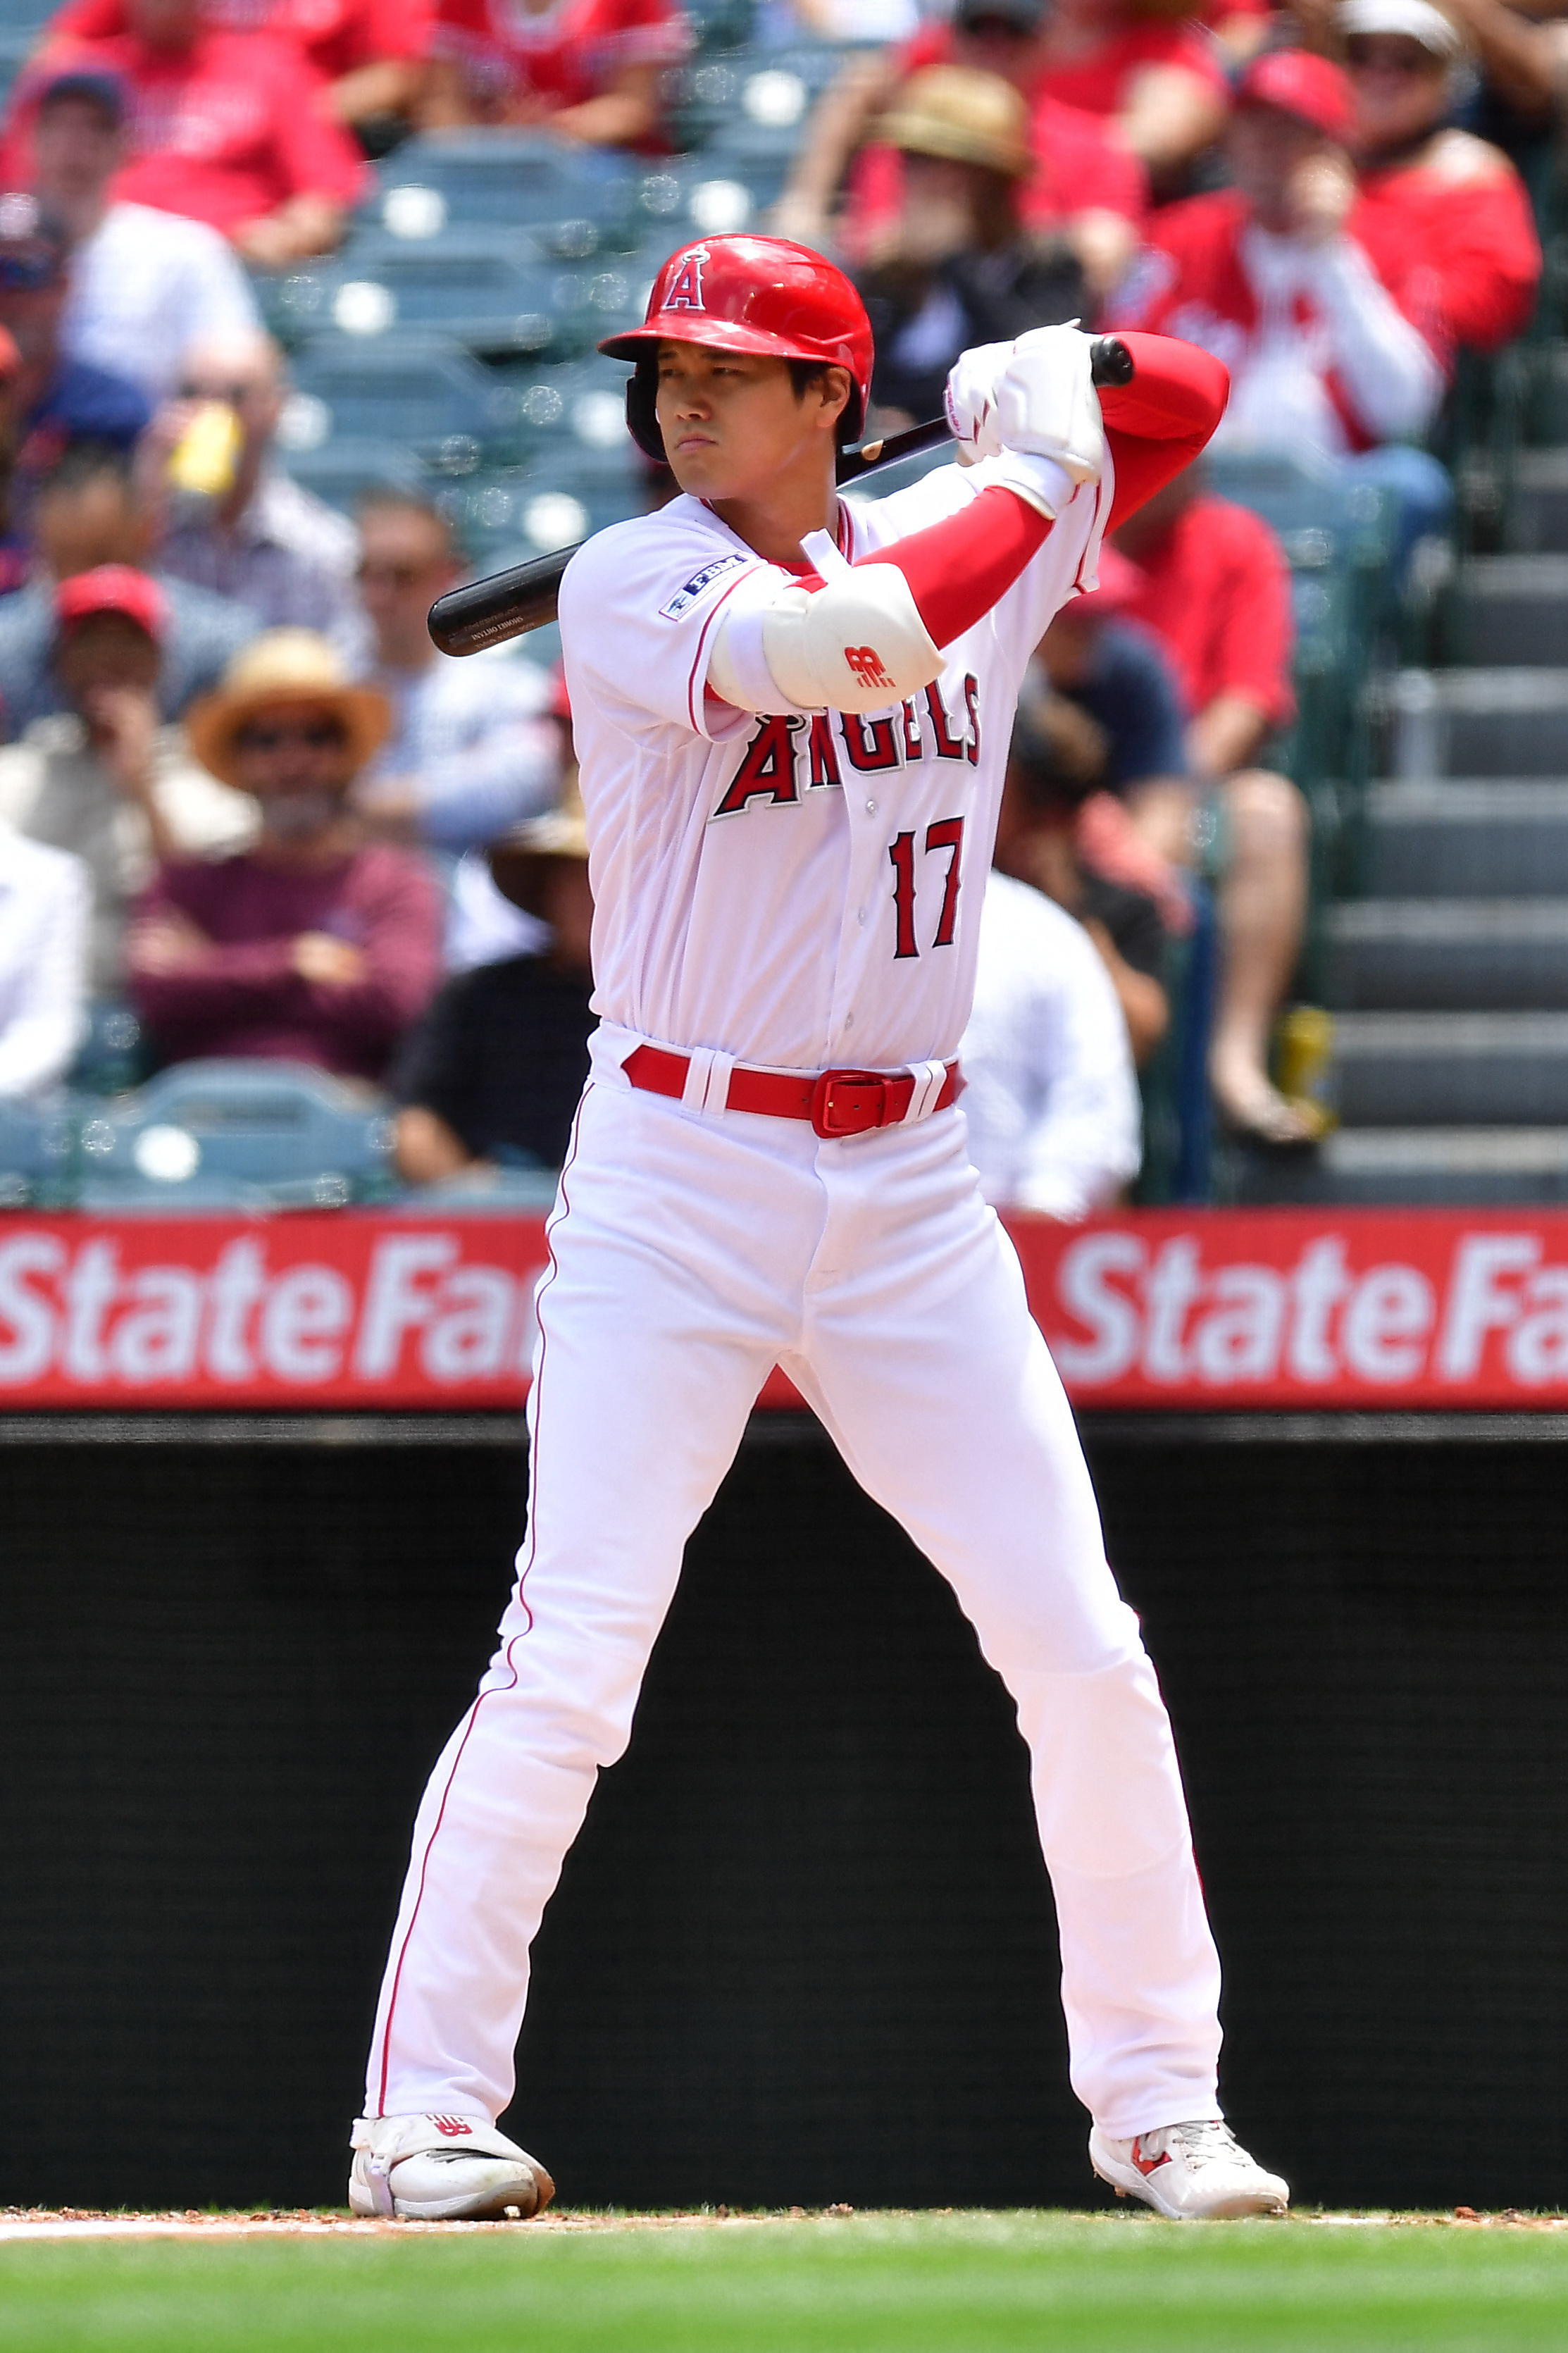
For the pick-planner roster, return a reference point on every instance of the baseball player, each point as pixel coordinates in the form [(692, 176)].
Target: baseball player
[(792, 717)]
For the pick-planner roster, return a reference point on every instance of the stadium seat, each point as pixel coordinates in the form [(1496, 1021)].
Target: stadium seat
[(579, 198), (35, 1152), (279, 1129), (491, 293), (422, 391), (344, 471)]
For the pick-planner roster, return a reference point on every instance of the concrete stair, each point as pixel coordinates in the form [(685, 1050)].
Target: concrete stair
[(1449, 978)]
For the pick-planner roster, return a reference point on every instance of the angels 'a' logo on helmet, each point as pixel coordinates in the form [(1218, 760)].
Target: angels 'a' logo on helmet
[(685, 293)]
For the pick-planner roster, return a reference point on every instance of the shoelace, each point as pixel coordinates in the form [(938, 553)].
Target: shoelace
[(1208, 2142)]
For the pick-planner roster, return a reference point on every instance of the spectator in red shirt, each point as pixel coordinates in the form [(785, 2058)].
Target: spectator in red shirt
[(368, 55), (1338, 304), (1209, 580), (313, 946), (225, 128), (1155, 89), (587, 69)]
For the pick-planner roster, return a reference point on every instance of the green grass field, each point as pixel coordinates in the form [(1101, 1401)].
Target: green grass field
[(869, 2284)]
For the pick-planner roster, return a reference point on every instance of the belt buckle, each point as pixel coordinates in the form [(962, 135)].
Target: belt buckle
[(849, 1102)]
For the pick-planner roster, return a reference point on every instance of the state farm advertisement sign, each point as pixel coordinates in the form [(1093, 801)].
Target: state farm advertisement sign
[(1194, 1311)]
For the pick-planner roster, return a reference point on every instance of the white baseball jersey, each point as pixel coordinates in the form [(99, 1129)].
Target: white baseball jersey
[(800, 890)]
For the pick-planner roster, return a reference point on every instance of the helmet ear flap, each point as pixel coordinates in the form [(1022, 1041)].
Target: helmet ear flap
[(642, 419)]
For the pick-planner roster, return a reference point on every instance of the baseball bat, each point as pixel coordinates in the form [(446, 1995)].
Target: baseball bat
[(509, 604)]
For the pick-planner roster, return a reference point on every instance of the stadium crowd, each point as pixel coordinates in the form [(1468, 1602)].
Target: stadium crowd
[(241, 797)]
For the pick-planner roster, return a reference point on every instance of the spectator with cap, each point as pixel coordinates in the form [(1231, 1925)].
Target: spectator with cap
[(1050, 1098), (366, 56), (106, 780), (493, 1074), (88, 511), (45, 896), (225, 128), (1445, 216), (956, 264), (250, 532), (1152, 84), (313, 945), (58, 400), (144, 284), (15, 548), (473, 749), (1208, 579), (1336, 312), (587, 70)]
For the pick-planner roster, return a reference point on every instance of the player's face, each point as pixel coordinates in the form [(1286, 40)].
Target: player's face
[(733, 421)]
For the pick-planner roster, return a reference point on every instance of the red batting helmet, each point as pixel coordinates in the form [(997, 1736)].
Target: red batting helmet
[(748, 294)]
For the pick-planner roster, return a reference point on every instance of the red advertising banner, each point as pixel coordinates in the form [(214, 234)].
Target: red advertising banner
[(1191, 1309)]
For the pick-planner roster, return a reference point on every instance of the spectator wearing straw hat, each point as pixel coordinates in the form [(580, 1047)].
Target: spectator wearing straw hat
[(314, 946), (492, 1075), (956, 263), (1151, 85)]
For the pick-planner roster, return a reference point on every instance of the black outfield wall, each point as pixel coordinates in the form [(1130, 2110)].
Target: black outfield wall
[(805, 1950)]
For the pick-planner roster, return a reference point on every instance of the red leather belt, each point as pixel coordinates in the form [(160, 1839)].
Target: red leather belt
[(837, 1103)]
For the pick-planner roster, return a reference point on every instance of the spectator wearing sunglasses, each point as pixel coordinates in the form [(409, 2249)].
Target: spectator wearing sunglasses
[(473, 749), (57, 400), (315, 945), (251, 534), (144, 285)]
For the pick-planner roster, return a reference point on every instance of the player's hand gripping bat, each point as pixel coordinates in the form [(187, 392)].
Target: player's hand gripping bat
[(509, 604)]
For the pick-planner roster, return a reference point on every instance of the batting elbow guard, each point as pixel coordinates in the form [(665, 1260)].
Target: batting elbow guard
[(856, 644)]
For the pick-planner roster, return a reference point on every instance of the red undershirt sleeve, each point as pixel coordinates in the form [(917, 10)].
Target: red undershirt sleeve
[(959, 568)]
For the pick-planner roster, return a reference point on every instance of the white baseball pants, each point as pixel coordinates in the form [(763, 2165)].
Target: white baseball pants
[(690, 1251)]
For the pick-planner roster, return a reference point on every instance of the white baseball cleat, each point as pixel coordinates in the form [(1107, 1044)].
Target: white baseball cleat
[(443, 2169), (1190, 2173)]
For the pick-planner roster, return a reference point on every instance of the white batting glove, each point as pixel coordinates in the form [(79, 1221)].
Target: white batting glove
[(970, 400), (1047, 406)]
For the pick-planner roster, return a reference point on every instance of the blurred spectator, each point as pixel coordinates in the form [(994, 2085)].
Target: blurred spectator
[(1278, 276), (473, 750), (1209, 579), (587, 70), (255, 536), (225, 128), (951, 172), (15, 550), (493, 1074), (87, 514), (57, 400), (144, 284), (366, 55), (1054, 766), (106, 780), (1155, 86), (955, 267), (43, 899), (1445, 217), (1050, 1097), (1122, 679), (313, 946)]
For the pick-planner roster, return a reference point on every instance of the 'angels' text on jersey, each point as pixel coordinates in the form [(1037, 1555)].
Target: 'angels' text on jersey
[(791, 753)]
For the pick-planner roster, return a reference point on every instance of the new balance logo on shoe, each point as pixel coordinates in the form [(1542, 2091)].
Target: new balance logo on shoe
[(1147, 2165), (454, 2127)]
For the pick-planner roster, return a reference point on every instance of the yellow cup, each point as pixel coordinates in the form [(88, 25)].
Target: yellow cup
[(1303, 1057), (206, 458)]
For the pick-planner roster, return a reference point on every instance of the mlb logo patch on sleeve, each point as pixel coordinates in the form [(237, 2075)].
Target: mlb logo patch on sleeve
[(698, 586)]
